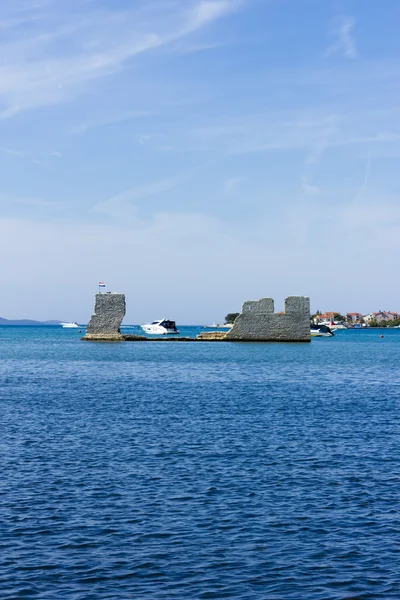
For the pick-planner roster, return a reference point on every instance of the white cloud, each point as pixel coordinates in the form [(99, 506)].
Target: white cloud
[(178, 248), (308, 188), (232, 184), (201, 115), (8, 200), (344, 43), (187, 48), (109, 120), (187, 252), (311, 131), (207, 11), (39, 70), (364, 184), (20, 154), (121, 206), (11, 151)]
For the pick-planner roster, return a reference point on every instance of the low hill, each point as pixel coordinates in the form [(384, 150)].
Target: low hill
[(26, 322)]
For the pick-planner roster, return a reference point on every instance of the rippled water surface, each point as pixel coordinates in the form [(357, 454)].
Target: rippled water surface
[(194, 471)]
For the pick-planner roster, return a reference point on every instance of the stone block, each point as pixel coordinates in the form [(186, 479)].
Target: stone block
[(265, 305), (258, 322), (105, 323)]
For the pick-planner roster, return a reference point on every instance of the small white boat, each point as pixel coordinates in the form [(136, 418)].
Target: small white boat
[(161, 327), (321, 331), (69, 325)]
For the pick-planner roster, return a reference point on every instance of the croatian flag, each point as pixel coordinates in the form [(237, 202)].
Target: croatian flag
[(101, 284)]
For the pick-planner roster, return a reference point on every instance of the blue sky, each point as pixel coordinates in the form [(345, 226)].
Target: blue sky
[(197, 153)]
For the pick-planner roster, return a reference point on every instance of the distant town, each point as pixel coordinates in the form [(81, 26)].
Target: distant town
[(382, 318)]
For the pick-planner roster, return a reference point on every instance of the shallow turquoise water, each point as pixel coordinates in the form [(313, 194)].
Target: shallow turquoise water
[(199, 470)]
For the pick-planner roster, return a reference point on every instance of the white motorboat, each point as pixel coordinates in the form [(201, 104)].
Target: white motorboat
[(321, 331), (219, 326), (69, 325), (161, 327)]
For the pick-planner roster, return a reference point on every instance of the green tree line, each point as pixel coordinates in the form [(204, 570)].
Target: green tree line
[(230, 318), (393, 323)]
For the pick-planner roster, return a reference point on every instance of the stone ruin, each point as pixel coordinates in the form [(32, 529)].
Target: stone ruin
[(258, 322), (109, 310)]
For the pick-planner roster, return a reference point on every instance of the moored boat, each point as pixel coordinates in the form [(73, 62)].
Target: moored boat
[(160, 327), (321, 331), (219, 326)]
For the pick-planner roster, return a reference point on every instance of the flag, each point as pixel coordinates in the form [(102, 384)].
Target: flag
[(101, 284)]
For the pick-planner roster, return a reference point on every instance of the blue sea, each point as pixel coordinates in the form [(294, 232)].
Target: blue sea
[(199, 471)]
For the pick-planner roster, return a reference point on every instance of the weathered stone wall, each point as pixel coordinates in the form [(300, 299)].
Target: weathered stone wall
[(258, 322), (109, 310)]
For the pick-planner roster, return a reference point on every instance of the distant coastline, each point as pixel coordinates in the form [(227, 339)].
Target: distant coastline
[(28, 322)]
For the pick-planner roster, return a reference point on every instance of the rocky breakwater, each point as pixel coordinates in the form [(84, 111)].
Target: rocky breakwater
[(259, 323), (109, 311), (211, 336)]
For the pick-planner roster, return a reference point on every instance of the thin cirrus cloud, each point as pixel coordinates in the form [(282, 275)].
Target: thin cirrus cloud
[(11, 151), (308, 188), (180, 132), (123, 204), (344, 43), (109, 120), (35, 71), (312, 132), (232, 184)]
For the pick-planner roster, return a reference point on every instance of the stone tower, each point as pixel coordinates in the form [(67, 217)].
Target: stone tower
[(109, 310)]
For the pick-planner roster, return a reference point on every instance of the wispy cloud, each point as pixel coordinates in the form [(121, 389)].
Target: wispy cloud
[(9, 199), (232, 184), (364, 184), (110, 120), (123, 204), (11, 151), (344, 42), (311, 131), (207, 11), (27, 155), (190, 48), (277, 139), (53, 65), (273, 131), (308, 188)]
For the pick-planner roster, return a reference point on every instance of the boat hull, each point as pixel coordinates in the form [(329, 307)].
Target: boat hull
[(159, 330), (317, 334), (321, 331), (160, 327)]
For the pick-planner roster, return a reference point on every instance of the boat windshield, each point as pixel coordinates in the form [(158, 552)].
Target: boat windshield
[(168, 324)]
